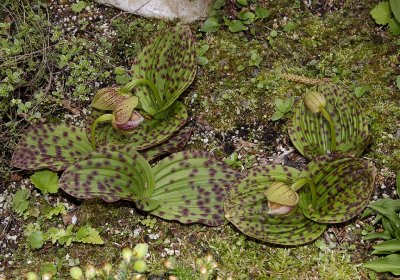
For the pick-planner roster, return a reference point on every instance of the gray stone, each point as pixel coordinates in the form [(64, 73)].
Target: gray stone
[(185, 10)]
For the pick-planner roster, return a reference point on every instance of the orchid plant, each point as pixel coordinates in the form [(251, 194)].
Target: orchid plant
[(148, 104), (286, 206), (328, 120), (164, 69), (283, 205)]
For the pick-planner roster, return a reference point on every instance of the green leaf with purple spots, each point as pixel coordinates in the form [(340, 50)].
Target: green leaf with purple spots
[(148, 134), (169, 63), (310, 132), (343, 184), (191, 188), (51, 146), (112, 173), (247, 207), (172, 145)]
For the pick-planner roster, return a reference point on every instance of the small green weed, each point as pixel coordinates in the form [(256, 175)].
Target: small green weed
[(246, 13), (233, 160), (20, 202), (282, 108), (78, 6), (46, 181), (37, 237), (149, 222), (388, 215), (201, 51), (388, 13)]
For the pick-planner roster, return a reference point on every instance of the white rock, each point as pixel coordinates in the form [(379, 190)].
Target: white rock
[(74, 220), (185, 10)]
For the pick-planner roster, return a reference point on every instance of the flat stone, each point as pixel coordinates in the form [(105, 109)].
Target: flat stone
[(185, 10)]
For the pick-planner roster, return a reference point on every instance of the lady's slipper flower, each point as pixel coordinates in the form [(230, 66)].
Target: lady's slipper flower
[(314, 101), (124, 117), (281, 198)]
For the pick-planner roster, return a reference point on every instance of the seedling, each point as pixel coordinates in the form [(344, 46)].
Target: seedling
[(282, 108)]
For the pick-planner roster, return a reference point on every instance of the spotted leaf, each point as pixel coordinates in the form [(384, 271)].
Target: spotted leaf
[(247, 207), (172, 145), (343, 185), (112, 173), (191, 187), (169, 62), (310, 132), (51, 146), (148, 134)]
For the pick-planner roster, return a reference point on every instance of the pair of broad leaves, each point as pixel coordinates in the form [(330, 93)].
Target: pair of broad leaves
[(343, 186)]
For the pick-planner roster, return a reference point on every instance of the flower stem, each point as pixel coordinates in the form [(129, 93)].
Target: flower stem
[(102, 118), (306, 181), (332, 128)]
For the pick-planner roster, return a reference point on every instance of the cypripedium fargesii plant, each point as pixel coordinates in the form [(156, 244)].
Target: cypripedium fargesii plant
[(328, 120), (163, 70), (283, 205), (160, 74)]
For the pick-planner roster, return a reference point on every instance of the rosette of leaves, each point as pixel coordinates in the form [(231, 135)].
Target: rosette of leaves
[(247, 207), (160, 73), (188, 187), (336, 125), (333, 190)]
